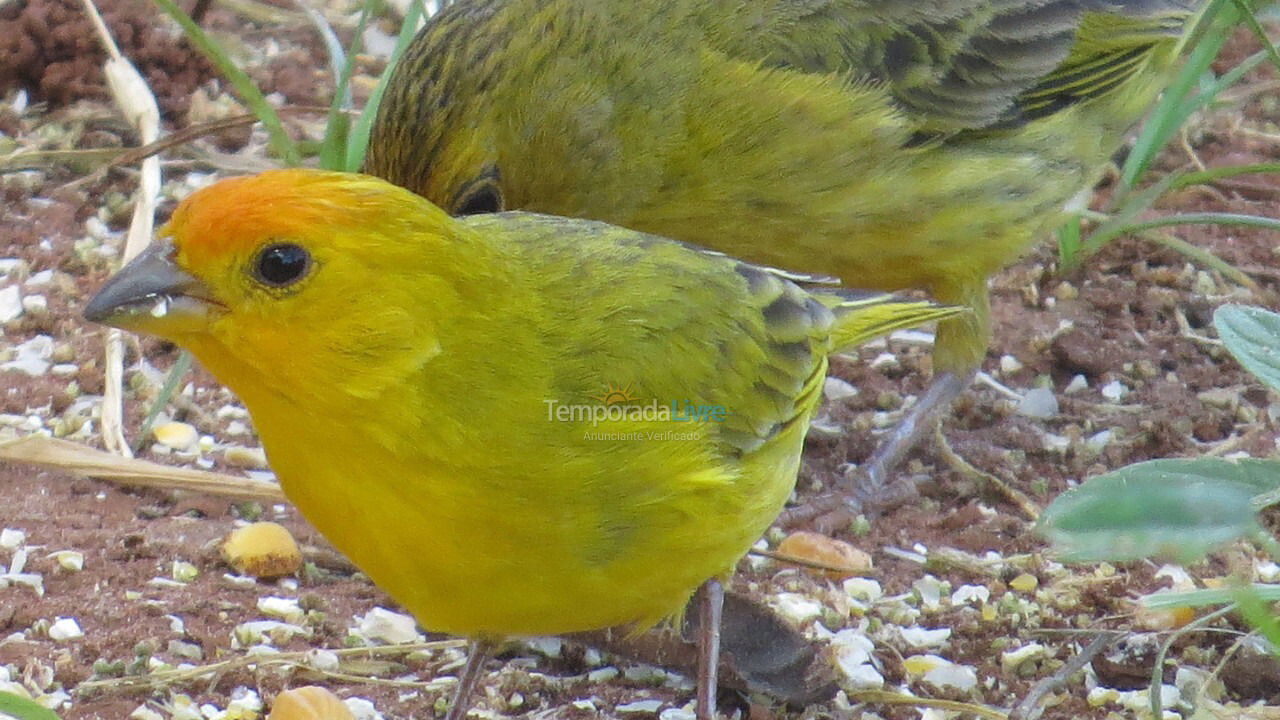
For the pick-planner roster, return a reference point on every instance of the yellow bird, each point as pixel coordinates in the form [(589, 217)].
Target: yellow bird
[(514, 423), (890, 144)]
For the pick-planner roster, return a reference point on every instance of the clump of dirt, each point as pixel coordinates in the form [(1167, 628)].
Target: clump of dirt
[(50, 48)]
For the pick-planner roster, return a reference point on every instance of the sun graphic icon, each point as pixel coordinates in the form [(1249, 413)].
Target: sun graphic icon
[(616, 395)]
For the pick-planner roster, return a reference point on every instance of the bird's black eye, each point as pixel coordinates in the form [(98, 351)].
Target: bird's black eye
[(486, 198), (281, 265)]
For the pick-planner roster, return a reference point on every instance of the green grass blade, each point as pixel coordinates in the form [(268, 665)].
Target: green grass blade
[(333, 150), (1206, 177), (1069, 257), (24, 709), (1206, 598), (1124, 218), (1203, 257), (176, 373), (332, 45), (1207, 218), (1251, 19), (280, 141), (1178, 102), (359, 142)]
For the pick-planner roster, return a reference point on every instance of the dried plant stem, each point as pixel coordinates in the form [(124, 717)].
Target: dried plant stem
[(138, 104)]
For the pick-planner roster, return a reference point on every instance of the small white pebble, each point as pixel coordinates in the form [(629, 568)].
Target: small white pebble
[(231, 411), (967, 594), (1056, 443), (649, 707), (1191, 681), (362, 709), (1009, 364), (259, 632), (245, 702), (32, 357), (797, 608), (960, 677), (863, 589), (1114, 390), (602, 675), (1011, 660), (1139, 700), (681, 713), (385, 626), (142, 712), (863, 677), (930, 590), (836, 389), (645, 674), (854, 660), (285, 608), (35, 304), (65, 628), (1038, 403), (38, 279), (920, 638), (65, 369), (1099, 441), (1078, 383), (241, 581), (10, 304), (1100, 696), (31, 580), (885, 361), (551, 647), (12, 539), (322, 660)]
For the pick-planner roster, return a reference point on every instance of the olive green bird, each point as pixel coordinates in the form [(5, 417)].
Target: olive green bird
[(893, 145)]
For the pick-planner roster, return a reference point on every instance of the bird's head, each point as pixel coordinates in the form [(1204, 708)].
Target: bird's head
[(296, 282)]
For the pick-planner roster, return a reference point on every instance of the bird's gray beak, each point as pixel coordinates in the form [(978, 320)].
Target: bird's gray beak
[(151, 294)]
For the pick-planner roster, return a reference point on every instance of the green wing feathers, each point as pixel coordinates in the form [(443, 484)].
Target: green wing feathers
[(973, 65)]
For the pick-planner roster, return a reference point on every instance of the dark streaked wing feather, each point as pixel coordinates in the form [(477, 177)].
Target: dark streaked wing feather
[(965, 64)]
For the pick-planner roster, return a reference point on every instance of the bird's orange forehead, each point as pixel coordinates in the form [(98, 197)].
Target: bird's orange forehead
[(234, 216)]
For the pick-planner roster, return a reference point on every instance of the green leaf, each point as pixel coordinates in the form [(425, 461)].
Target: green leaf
[(1252, 334), (1176, 509), (24, 709)]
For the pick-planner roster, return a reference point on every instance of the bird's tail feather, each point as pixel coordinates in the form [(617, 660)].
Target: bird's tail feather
[(861, 317)]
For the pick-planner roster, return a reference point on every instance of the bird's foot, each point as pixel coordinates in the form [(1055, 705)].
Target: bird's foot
[(871, 488)]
